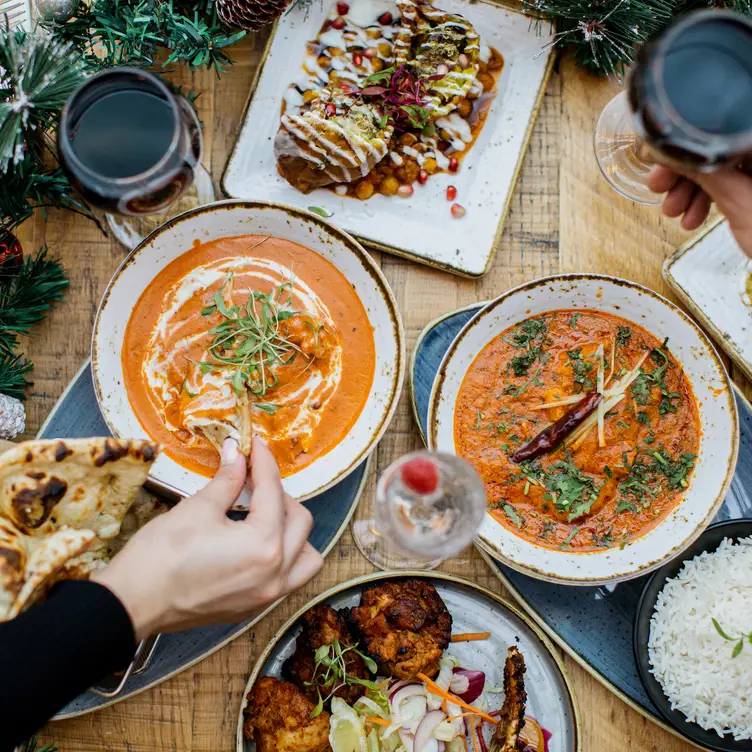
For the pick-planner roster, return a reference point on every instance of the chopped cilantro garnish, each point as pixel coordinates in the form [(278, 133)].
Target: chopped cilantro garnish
[(571, 535), (623, 335), (573, 320), (478, 420), (581, 368), (512, 515)]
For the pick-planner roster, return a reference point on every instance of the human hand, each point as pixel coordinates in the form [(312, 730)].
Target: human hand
[(193, 566), (691, 194)]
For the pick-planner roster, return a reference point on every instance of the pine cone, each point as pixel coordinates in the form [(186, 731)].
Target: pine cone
[(250, 15), (12, 417)]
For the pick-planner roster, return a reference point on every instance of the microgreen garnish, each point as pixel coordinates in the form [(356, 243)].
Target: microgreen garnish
[(251, 340), (402, 96), (330, 672), (738, 640)]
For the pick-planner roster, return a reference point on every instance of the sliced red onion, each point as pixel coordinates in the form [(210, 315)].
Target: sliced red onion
[(394, 687), (407, 740), (467, 684), (396, 698), (424, 740)]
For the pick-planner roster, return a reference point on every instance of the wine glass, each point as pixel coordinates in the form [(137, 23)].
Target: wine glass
[(132, 148), (428, 507), (688, 104)]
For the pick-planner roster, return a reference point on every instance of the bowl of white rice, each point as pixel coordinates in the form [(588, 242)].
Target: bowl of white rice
[(693, 639)]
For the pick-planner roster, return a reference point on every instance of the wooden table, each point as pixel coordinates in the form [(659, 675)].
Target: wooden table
[(563, 217)]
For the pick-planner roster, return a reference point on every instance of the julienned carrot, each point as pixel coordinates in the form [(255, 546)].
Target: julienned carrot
[(459, 715), (379, 721), (435, 689), (470, 636)]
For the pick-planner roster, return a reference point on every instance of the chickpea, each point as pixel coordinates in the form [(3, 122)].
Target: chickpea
[(323, 61), (373, 33), (408, 139), (430, 166), (482, 67), (385, 49), (412, 170), (445, 135), (401, 174), (473, 93), (334, 77), (309, 96), (377, 64), (364, 190), (336, 52), (464, 108), (387, 169), (389, 186), (487, 81)]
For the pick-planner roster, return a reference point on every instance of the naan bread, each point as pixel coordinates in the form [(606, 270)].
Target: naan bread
[(211, 417), (12, 565), (78, 483)]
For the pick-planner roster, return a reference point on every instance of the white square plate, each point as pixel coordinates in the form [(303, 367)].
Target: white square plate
[(708, 274), (421, 227)]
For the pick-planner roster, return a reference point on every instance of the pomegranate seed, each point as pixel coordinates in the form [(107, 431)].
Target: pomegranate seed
[(343, 9), (338, 23), (458, 211), (463, 60), (454, 164), (386, 18), (345, 87), (358, 59), (330, 109), (442, 69), (451, 193), (422, 177), (371, 53), (420, 475), (405, 191)]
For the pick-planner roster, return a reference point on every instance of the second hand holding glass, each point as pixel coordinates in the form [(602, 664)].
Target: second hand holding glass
[(428, 507), (688, 104)]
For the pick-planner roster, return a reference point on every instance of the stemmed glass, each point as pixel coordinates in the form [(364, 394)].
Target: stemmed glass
[(132, 148), (428, 507), (688, 104)]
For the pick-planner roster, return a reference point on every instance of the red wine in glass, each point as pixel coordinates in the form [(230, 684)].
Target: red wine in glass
[(691, 91), (128, 143), (688, 104)]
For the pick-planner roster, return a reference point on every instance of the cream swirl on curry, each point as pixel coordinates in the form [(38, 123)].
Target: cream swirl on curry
[(249, 334)]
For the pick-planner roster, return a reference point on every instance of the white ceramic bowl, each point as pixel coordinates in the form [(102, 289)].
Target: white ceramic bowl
[(224, 219), (719, 438)]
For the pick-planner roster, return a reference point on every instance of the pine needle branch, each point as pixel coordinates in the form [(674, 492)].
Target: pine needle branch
[(27, 295), (13, 383), (31, 744)]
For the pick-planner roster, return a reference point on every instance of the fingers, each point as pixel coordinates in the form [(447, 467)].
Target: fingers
[(697, 212), (223, 490), (307, 566), (267, 506), (662, 179), (298, 526), (679, 198)]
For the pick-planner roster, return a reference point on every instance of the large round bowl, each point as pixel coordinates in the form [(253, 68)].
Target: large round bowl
[(226, 219), (719, 437)]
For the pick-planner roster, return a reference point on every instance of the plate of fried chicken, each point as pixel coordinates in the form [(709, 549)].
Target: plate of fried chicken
[(402, 662)]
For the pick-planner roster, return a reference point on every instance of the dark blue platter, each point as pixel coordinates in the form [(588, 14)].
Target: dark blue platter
[(593, 625), (76, 415)]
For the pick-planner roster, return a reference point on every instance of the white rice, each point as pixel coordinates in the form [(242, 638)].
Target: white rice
[(690, 660)]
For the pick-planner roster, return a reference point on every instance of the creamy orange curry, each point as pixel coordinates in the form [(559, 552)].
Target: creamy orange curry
[(256, 323), (586, 481)]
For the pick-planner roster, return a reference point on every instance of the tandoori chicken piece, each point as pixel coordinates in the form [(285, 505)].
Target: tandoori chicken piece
[(321, 625), (512, 713), (405, 627), (278, 719)]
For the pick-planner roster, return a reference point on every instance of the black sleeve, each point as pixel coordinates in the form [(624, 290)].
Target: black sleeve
[(56, 650)]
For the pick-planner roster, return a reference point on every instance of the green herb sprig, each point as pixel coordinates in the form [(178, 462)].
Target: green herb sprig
[(739, 641), (330, 672)]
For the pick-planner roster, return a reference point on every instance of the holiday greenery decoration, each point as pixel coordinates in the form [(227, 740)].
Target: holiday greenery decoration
[(603, 35), (28, 288), (32, 745)]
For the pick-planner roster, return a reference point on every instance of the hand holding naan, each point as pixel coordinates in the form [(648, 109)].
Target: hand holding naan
[(193, 566)]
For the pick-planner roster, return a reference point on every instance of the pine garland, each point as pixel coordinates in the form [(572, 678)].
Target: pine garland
[(26, 295), (32, 744), (603, 35)]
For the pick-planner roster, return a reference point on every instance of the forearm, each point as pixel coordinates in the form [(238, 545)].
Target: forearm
[(55, 651)]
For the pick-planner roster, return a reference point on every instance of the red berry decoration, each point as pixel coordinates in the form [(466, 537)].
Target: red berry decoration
[(338, 23), (386, 18), (11, 253), (343, 9), (421, 475)]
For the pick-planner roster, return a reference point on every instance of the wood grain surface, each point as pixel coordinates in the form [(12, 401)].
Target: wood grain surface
[(564, 217)]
